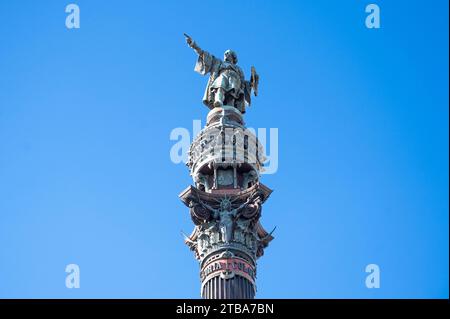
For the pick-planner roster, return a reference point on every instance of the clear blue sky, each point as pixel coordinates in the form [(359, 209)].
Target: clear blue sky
[(85, 118)]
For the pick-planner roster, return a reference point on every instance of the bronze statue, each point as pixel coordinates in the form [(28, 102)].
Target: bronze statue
[(227, 84)]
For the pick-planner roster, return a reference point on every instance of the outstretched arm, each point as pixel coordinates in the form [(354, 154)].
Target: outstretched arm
[(206, 206), (243, 205), (193, 45)]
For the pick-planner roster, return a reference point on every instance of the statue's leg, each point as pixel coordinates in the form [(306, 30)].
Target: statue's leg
[(218, 97), (240, 104)]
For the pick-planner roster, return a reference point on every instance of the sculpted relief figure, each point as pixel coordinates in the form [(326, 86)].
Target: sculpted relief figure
[(226, 85), (226, 216)]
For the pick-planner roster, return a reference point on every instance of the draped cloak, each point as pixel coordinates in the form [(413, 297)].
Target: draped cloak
[(226, 76)]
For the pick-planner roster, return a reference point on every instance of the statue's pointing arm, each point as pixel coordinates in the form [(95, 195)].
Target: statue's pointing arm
[(193, 45), (206, 62)]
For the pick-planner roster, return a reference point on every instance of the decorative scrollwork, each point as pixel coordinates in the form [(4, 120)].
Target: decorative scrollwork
[(199, 214)]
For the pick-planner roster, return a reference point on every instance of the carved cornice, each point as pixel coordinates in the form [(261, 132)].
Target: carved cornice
[(191, 192), (228, 222)]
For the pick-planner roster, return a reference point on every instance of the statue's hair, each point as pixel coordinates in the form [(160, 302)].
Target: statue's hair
[(225, 201)]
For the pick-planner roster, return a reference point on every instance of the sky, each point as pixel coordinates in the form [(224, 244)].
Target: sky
[(86, 115)]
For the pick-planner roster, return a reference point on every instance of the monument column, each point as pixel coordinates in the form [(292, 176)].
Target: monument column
[(225, 202)]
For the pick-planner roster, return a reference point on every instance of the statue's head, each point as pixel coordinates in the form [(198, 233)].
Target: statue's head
[(225, 204), (230, 56)]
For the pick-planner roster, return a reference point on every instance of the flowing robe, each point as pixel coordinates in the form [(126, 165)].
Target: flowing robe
[(223, 75)]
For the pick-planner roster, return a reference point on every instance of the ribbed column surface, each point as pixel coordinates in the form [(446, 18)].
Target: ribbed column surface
[(234, 288)]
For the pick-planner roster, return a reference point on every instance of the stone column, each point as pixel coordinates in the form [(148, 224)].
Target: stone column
[(228, 237)]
